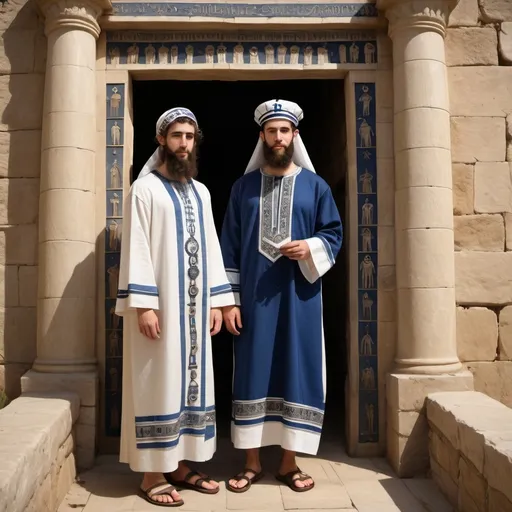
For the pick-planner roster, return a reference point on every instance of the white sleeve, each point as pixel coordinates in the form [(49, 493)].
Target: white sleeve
[(137, 284)]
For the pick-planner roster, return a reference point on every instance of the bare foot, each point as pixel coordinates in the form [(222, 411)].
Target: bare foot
[(183, 470), (151, 479)]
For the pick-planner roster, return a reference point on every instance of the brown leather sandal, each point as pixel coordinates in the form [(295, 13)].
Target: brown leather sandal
[(194, 486), (160, 489), (290, 481), (244, 476)]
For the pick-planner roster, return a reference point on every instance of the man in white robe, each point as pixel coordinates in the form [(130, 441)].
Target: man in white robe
[(172, 286), (281, 234)]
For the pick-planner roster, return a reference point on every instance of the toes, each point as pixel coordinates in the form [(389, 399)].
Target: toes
[(175, 496)]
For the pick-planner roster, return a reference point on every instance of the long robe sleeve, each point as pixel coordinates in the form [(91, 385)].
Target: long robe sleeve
[(220, 290), (230, 242), (325, 244), (137, 284)]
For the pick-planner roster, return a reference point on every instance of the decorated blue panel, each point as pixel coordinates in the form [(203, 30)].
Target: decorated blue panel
[(307, 53), (115, 96), (367, 245)]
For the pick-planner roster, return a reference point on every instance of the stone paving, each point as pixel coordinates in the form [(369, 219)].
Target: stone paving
[(342, 484)]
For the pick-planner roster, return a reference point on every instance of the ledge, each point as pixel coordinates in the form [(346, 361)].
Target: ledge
[(36, 450), (471, 449)]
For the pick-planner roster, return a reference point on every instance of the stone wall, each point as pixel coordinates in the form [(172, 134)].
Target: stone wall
[(479, 53), (22, 65), (470, 450), (37, 441)]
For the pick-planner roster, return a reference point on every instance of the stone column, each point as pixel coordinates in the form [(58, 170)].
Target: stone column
[(426, 357), (67, 275)]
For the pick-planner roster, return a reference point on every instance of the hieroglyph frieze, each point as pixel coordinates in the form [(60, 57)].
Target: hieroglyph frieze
[(267, 10), (140, 36)]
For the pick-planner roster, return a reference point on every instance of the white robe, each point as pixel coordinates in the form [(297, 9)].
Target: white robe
[(159, 426)]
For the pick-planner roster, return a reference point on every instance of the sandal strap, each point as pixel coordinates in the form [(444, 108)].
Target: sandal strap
[(244, 476), (159, 489), (190, 475)]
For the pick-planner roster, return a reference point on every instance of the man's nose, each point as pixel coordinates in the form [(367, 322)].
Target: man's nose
[(183, 142)]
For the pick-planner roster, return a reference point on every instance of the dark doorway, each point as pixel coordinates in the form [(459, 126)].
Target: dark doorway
[(225, 112)]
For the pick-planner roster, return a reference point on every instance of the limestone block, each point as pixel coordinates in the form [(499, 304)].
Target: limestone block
[(10, 377), (429, 166), (21, 101), (19, 200), (40, 51), (479, 233), (465, 14), (409, 90), (445, 455), (498, 467), (83, 384), (424, 207), (497, 501), (408, 392), (470, 88), (483, 278), (386, 191), (67, 267), (56, 316), (463, 189), (472, 47), (458, 417), (477, 334), (386, 304), (18, 334), (442, 479), (28, 285), (472, 488), (495, 10), (18, 14), (56, 172), (505, 334), (416, 308), (17, 51), (426, 249), (60, 210), (493, 187), (18, 245), (408, 455), (493, 379), (506, 42), (412, 128), (478, 139), (20, 154), (9, 286)]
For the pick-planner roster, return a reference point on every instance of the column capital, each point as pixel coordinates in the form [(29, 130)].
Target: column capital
[(73, 14), (419, 14)]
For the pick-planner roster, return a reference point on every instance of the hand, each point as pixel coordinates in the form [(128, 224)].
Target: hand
[(232, 319), (215, 321), (297, 250), (148, 323)]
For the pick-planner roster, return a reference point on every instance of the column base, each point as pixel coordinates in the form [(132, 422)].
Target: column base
[(86, 386), (407, 427), (428, 367)]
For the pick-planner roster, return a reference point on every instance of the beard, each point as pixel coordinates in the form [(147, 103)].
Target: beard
[(179, 167), (278, 159)]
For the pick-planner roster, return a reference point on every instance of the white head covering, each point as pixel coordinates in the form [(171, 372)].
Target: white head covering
[(280, 109), (166, 119)]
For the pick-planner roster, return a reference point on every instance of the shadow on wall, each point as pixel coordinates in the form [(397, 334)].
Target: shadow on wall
[(22, 65)]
